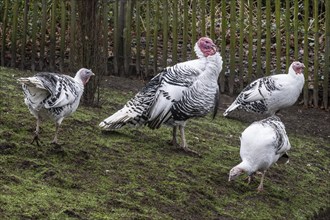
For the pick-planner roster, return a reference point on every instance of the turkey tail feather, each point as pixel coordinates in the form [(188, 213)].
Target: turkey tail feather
[(231, 108)]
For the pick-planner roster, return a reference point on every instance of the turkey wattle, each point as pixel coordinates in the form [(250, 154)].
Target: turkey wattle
[(185, 90), (268, 95), (54, 96), (263, 143)]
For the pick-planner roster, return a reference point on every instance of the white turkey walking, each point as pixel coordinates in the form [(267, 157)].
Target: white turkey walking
[(263, 143), (178, 93), (54, 96), (268, 95)]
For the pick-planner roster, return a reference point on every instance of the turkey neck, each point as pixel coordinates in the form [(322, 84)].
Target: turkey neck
[(213, 65)]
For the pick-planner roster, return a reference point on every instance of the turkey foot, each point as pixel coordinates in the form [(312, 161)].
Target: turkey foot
[(36, 139), (189, 150)]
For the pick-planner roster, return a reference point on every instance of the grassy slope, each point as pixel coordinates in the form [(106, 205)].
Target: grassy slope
[(134, 173)]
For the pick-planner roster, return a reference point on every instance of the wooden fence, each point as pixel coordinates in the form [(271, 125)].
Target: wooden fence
[(137, 38)]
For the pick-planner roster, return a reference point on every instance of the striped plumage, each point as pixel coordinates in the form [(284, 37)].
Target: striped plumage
[(54, 96), (263, 143), (179, 92), (268, 95)]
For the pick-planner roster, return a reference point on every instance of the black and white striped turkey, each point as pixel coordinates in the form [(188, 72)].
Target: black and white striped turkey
[(178, 93), (268, 95), (263, 143), (54, 96)]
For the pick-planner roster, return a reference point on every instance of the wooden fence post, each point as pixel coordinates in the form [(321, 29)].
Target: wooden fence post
[(223, 44), (127, 37), (295, 26), (175, 33), (14, 34), (232, 46), (148, 40), (63, 29), (287, 35), (34, 35), (278, 35), (155, 48), (165, 32), (73, 50), (4, 28), (24, 36), (258, 70), (268, 35), (43, 34), (193, 27), (138, 38), (241, 38), (52, 38), (306, 26), (316, 55), (250, 39), (185, 30), (326, 56)]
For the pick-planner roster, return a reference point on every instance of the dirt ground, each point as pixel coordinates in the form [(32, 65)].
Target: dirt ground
[(297, 119)]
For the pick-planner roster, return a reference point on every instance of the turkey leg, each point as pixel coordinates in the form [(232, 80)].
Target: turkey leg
[(36, 133)]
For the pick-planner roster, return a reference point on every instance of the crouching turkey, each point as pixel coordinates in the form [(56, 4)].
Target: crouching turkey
[(263, 143), (54, 96), (269, 94), (178, 93)]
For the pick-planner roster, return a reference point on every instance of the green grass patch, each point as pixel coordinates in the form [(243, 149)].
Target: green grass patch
[(133, 173)]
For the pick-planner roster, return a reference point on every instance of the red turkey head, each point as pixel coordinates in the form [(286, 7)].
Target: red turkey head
[(297, 67), (206, 46)]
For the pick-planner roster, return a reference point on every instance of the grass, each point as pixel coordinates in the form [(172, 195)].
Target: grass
[(133, 173)]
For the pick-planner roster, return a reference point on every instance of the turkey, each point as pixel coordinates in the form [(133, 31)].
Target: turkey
[(54, 96), (268, 95), (263, 143), (178, 93)]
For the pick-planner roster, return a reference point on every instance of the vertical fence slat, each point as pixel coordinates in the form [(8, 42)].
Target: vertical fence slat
[(241, 38), (43, 34), (250, 40), (148, 37), (212, 28), (34, 35), (63, 28), (127, 44), (193, 25), (306, 25), (72, 33), (185, 30), (175, 33), (52, 47), (24, 36), (268, 33), (327, 56), (258, 70), (116, 37), (295, 27), (202, 17), (138, 37), (155, 45), (278, 35), (232, 58), (316, 55), (14, 34), (165, 32), (4, 36), (223, 44), (287, 35)]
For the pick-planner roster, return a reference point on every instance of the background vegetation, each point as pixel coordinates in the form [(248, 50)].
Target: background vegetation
[(138, 38)]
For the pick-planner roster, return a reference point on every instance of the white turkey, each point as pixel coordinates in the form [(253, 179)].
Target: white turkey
[(54, 96), (263, 143), (269, 94), (180, 92)]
